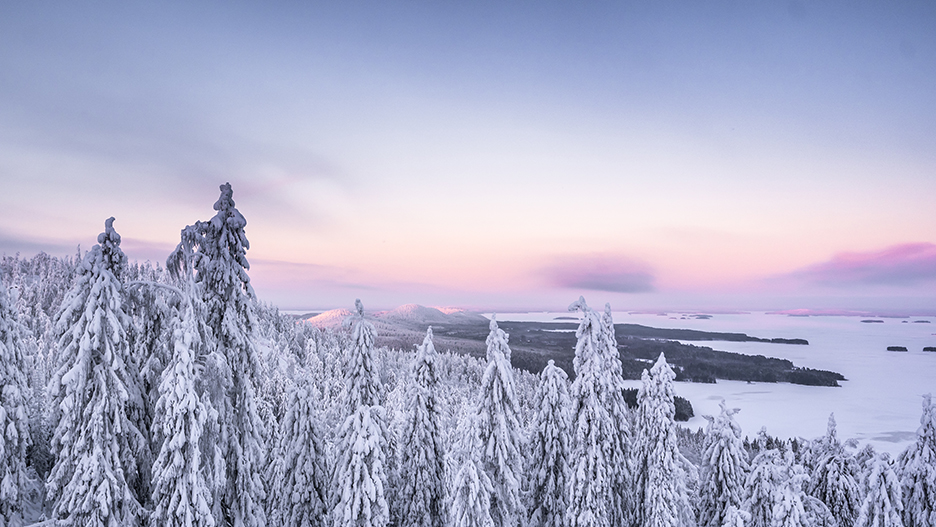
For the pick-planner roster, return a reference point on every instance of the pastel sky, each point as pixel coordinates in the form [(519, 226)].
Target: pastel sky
[(497, 155)]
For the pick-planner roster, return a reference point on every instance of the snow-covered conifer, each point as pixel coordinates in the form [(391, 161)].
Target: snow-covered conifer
[(834, 478), (471, 487), (549, 445), (90, 484), (735, 517), (362, 382), (663, 501), (359, 480), (180, 494), (590, 479), (14, 419), (918, 471), (622, 484), (500, 431), (723, 470), (789, 510), (216, 250), (422, 464), (882, 504), (763, 487), (299, 495)]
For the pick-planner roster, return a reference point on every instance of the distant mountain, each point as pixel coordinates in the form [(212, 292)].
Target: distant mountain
[(330, 319), (415, 314)]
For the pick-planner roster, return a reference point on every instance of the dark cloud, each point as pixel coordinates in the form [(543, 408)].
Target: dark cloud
[(600, 272), (899, 265)]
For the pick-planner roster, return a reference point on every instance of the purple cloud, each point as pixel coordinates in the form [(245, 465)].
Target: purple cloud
[(600, 272), (898, 265)]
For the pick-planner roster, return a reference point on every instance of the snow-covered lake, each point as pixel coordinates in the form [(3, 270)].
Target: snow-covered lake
[(880, 402)]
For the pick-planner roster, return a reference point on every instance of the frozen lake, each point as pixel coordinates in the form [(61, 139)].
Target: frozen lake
[(880, 402)]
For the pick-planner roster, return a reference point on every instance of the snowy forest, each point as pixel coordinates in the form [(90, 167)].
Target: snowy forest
[(136, 394)]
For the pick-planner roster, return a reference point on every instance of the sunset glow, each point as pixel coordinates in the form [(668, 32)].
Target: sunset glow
[(766, 156)]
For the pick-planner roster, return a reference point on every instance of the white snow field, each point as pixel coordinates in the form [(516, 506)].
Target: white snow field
[(880, 403)]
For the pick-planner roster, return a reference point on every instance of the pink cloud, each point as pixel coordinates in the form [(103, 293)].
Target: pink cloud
[(600, 272), (899, 265)]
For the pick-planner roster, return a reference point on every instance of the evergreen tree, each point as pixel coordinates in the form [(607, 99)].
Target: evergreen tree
[(723, 470), (622, 485), (763, 487), (422, 466), (918, 472), (663, 500), (549, 461), (833, 480), (735, 517), (471, 487), (789, 510), (500, 431), (181, 495), (591, 477), (91, 481), (299, 496), (216, 250), (360, 477), (14, 417), (882, 503), (362, 382)]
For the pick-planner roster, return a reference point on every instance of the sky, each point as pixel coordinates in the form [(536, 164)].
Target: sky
[(490, 155)]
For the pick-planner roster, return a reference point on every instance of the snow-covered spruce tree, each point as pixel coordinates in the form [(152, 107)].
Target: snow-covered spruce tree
[(590, 479), (918, 471), (181, 495), (217, 250), (882, 504), (471, 487), (834, 479), (14, 418), (500, 431), (422, 463), (359, 481), (299, 495), (763, 487), (789, 510), (622, 484), (735, 517), (662, 491), (90, 483), (362, 382), (549, 444), (724, 468)]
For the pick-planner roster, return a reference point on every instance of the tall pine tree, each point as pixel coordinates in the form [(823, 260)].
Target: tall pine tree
[(360, 477), (549, 445), (14, 418), (623, 506), (882, 504), (591, 478), (500, 431), (471, 486), (918, 471), (834, 479), (422, 464), (663, 501), (92, 480), (724, 469), (217, 250), (181, 495)]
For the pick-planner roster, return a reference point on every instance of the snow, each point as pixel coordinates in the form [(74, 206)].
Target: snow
[(879, 404)]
